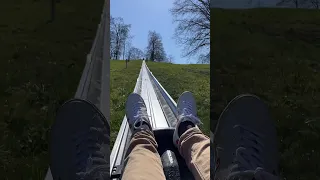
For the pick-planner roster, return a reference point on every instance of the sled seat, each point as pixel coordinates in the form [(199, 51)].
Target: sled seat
[(174, 165)]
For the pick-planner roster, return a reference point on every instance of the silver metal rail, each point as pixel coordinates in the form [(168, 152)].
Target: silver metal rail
[(94, 82), (156, 114)]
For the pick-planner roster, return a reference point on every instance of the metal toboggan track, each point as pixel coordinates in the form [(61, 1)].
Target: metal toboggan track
[(161, 110)]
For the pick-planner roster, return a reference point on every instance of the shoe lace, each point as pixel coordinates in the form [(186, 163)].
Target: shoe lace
[(90, 162), (257, 174), (141, 115), (141, 112), (247, 164), (187, 113)]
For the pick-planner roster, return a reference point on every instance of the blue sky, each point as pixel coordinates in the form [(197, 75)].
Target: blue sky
[(145, 15)]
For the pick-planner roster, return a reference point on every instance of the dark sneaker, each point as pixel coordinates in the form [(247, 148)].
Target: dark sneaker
[(187, 112), (80, 142), (245, 141), (136, 112)]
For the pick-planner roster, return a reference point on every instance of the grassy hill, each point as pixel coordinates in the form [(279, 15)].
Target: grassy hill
[(174, 78), (273, 53), (41, 64), (122, 83), (177, 78)]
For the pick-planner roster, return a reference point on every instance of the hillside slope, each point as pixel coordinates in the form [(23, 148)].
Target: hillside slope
[(122, 83), (177, 78), (273, 53), (41, 64)]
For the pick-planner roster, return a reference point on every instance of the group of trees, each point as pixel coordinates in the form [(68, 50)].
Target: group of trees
[(296, 3), (301, 3), (121, 45), (121, 41), (135, 53), (192, 32)]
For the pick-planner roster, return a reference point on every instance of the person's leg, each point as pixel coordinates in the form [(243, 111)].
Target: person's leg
[(79, 145), (245, 141), (193, 145), (142, 158)]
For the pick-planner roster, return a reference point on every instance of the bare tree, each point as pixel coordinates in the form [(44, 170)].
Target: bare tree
[(155, 50), (127, 45), (296, 3), (193, 30), (301, 3), (119, 32), (204, 59), (314, 3), (256, 3), (170, 59), (135, 53)]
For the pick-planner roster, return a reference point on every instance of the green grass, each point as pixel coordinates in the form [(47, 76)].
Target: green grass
[(273, 53), (177, 78), (122, 83), (40, 64), (174, 78)]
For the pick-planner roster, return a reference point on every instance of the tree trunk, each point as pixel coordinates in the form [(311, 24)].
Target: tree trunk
[(152, 53), (124, 51)]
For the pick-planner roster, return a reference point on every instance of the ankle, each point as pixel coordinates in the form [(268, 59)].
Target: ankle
[(146, 126), (142, 125), (184, 126)]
